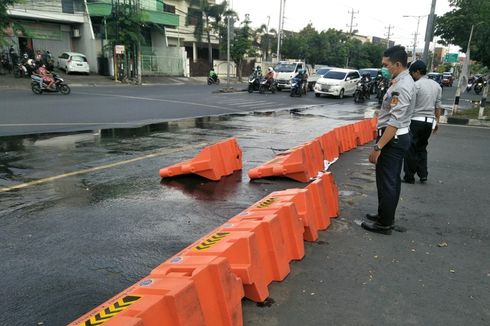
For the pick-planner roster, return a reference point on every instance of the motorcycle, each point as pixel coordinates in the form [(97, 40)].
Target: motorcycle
[(211, 81), (362, 92), (38, 86), (20, 71), (478, 87), (253, 83), (296, 87), (265, 85), (381, 90)]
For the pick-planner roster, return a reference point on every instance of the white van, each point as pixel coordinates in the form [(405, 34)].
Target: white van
[(285, 70)]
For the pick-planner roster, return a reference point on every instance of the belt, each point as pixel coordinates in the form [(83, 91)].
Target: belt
[(423, 119), (399, 132)]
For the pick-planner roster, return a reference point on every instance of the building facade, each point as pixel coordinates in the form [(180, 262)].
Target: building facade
[(170, 47)]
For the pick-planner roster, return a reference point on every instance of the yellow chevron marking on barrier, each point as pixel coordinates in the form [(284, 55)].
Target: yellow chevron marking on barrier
[(211, 241), (111, 311), (266, 203)]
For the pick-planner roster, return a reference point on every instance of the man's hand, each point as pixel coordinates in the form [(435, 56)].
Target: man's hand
[(373, 157), (435, 129)]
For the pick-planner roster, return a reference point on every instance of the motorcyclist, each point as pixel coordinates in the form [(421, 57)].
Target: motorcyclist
[(258, 72), (302, 77), (269, 76), (213, 75), (46, 76)]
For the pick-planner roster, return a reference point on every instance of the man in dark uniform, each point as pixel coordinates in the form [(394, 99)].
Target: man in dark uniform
[(425, 117), (393, 138)]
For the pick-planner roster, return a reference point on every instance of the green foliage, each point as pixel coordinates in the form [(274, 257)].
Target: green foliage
[(454, 27), (331, 47), (4, 19), (124, 27)]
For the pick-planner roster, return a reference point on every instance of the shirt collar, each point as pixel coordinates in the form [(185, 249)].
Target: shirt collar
[(401, 75)]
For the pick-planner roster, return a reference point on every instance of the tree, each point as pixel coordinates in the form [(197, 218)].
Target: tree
[(241, 45), (454, 27), (206, 18), (4, 19)]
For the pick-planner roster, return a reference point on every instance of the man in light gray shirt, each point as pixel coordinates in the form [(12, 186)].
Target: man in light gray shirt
[(393, 139), (424, 120)]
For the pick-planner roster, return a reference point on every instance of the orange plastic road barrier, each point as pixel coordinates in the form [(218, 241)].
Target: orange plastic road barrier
[(220, 292), (326, 198), (292, 164), (213, 162), (203, 293), (291, 223), (268, 229), (303, 202), (364, 132), (330, 147), (346, 138), (241, 248)]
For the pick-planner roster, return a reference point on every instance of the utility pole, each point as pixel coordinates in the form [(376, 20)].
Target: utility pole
[(414, 56), (279, 32), (388, 35), (429, 31), (228, 53), (268, 39), (351, 26)]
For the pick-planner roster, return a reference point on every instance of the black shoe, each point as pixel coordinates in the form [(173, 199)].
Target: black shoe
[(376, 227), (372, 217), (408, 180), (423, 180)]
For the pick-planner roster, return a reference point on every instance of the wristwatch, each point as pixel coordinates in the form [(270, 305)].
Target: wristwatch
[(377, 148)]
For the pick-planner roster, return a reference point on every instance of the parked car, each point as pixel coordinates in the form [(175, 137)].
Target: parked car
[(320, 72), (338, 82), (73, 62), (447, 79), (437, 77)]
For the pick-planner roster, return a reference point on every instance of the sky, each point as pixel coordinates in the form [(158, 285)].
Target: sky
[(372, 17)]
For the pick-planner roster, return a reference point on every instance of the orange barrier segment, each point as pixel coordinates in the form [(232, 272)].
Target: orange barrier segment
[(363, 132), (213, 162), (292, 164), (268, 230), (325, 194), (189, 292), (220, 292), (241, 248), (329, 145), (291, 223)]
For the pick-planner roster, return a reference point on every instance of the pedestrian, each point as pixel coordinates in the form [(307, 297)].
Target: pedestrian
[(425, 118), (392, 139)]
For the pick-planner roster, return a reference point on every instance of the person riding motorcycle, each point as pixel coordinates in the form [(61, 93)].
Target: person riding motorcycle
[(46, 76), (269, 76), (213, 75), (258, 72), (302, 76)]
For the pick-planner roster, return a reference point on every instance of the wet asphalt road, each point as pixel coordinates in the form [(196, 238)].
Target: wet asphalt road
[(92, 108), (71, 243)]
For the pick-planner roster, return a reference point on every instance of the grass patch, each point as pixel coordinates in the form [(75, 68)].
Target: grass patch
[(473, 113)]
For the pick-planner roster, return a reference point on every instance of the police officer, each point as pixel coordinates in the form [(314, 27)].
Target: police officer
[(393, 138), (425, 118)]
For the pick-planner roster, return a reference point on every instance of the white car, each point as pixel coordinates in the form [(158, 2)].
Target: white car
[(337, 82), (73, 62), (313, 78)]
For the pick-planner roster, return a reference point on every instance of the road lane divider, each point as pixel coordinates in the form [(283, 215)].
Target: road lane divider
[(213, 162)]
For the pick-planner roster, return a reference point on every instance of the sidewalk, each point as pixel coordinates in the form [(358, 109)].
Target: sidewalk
[(437, 273)]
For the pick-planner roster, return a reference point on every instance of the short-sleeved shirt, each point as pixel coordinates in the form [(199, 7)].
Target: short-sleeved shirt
[(398, 103), (428, 97)]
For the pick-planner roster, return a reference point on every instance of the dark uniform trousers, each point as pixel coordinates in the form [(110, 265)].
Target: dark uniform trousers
[(416, 157), (388, 181)]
